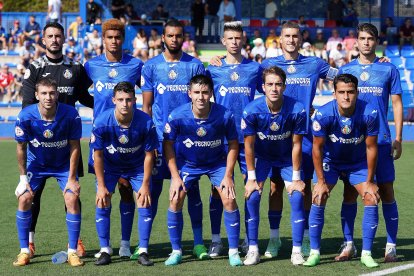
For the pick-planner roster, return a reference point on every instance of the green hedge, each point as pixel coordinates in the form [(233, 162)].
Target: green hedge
[(37, 5)]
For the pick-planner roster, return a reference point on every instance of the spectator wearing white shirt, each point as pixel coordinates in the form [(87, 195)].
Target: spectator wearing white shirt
[(226, 13), (259, 48), (54, 11), (337, 57)]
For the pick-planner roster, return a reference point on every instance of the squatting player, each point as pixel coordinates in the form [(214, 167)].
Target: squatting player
[(106, 70), (194, 146), (273, 128), (123, 139), (377, 82), (345, 134), (164, 86), (47, 136)]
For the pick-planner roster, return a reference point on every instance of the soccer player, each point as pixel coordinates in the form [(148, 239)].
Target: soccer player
[(47, 136), (345, 134), (194, 146), (123, 141), (377, 82), (106, 70), (164, 86), (72, 85), (235, 85), (273, 128)]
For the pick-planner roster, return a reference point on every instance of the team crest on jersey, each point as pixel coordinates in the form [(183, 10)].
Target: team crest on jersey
[(274, 126), (26, 74), (113, 73), (234, 76), (346, 129), (123, 139), (172, 74), (93, 138), (67, 74), (243, 124), (291, 69), (18, 131), (167, 128), (364, 76), (316, 126), (201, 131), (48, 134)]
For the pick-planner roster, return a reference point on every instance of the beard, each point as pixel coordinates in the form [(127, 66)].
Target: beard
[(57, 51), (172, 50)]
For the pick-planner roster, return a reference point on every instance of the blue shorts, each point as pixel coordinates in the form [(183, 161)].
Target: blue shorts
[(37, 177), (265, 168), (190, 174), (160, 170), (241, 159), (385, 165), (355, 174), (111, 179)]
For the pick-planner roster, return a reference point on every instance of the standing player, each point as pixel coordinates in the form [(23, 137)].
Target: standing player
[(194, 146), (273, 128), (72, 85), (106, 71), (123, 141), (164, 86), (345, 134), (47, 136), (235, 84), (377, 81)]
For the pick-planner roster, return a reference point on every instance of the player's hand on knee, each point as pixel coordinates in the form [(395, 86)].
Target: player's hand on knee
[(297, 185), (102, 196), (216, 61), (227, 186), (23, 186), (73, 186), (370, 192), (320, 193), (250, 187), (396, 150), (144, 197), (176, 185)]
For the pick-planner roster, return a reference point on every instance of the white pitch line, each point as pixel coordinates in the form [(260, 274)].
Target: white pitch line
[(389, 270)]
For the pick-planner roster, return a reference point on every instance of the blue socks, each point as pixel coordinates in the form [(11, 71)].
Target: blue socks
[(144, 226), (23, 221), (216, 210), (195, 210), (232, 223), (297, 217), (175, 224), (253, 217), (73, 224), (103, 224), (156, 189), (274, 219), (390, 212), (369, 226), (126, 211), (316, 222), (348, 215)]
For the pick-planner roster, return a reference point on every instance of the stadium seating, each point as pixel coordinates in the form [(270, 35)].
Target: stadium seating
[(2, 119), (330, 24), (392, 51), (272, 23), (409, 63), (255, 23), (311, 23), (11, 118), (397, 62), (407, 100), (404, 85), (407, 51)]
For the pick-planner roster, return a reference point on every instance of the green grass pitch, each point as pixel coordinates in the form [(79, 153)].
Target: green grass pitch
[(51, 230)]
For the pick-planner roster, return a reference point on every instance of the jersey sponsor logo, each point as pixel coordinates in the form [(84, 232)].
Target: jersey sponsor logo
[(45, 75), (99, 86), (48, 134), (161, 88), (172, 75), (167, 128), (353, 140), (18, 131), (375, 90), (274, 126), (26, 74), (346, 129), (111, 149), (234, 76), (316, 126), (35, 143), (243, 124), (201, 131), (67, 74), (202, 144), (235, 90), (123, 139), (291, 69), (188, 143), (299, 81), (113, 73), (364, 76), (58, 144), (223, 90), (66, 90), (270, 137)]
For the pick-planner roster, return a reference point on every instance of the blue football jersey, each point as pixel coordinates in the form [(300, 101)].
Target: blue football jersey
[(200, 142), (168, 81), (274, 132), (345, 136), (123, 148), (48, 141), (376, 82), (235, 86), (105, 75)]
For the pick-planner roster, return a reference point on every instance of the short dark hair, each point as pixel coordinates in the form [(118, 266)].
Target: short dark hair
[(173, 23), (48, 82), (54, 25), (202, 80), (346, 78), (124, 86), (274, 70), (368, 28), (236, 26)]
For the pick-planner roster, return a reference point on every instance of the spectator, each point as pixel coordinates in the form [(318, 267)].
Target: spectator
[(94, 43), (72, 49), (350, 15), (270, 10), (27, 54), (189, 46), (226, 13), (93, 11), (349, 41), (306, 37), (307, 50), (258, 58), (389, 32), (76, 28), (259, 48), (335, 11), (274, 50), (211, 10), (333, 40), (407, 33), (354, 53), (247, 51), (18, 83), (320, 45), (256, 34), (32, 30), (54, 11), (6, 83), (130, 13), (140, 44), (337, 57), (154, 43), (3, 39), (15, 35), (159, 13), (197, 18), (302, 22), (118, 8), (143, 20), (270, 38)]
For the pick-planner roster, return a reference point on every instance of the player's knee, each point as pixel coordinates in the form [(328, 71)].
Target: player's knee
[(370, 200), (71, 201), (230, 204), (176, 204), (25, 201)]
